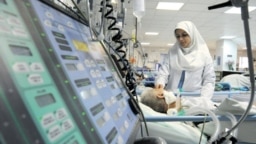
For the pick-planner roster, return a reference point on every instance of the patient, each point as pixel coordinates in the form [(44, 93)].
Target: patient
[(237, 81), (168, 103)]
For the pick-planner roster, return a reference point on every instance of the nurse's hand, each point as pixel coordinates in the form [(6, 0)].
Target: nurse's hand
[(159, 89)]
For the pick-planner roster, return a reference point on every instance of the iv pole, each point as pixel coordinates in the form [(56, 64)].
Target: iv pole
[(245, 16)]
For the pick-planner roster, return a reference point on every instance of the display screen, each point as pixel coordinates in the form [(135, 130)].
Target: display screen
[(61, 41), (110, 79), (100, 61), (112, 134), (102, 68), (69, 57), (119, 97), (83, 82), (20, 50), (97, 109), (65, 48), (71, 67), (3, 1), (57, 34), (44, 100)]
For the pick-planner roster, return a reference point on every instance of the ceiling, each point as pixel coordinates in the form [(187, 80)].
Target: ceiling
[(212, 24)]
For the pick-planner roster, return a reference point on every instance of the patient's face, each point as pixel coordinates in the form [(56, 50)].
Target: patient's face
[(151, 99), (171, 105)]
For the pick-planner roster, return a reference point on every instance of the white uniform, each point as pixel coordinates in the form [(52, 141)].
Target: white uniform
[(195, 60)]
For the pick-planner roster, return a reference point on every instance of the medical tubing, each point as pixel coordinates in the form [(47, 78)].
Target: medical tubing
[(232, 119), (199, 110), (130, 80)]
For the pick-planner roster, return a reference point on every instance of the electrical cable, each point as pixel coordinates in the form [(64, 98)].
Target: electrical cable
[(202, 131), (130, 80), (142, 118)]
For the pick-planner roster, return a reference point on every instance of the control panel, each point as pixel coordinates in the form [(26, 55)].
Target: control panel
[(57, 85)]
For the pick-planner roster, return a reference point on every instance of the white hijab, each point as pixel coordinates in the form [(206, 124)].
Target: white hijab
[(195, 56)]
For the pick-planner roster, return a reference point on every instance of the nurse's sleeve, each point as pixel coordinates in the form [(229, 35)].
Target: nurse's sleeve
[(208, 82), (162, 74)]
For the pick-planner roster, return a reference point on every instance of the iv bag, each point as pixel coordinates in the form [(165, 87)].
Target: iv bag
[(138, 8)]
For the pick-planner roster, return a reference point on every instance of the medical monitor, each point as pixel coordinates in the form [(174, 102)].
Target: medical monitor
[(56, 84)]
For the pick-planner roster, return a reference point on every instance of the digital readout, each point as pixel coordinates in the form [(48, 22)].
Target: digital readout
[(100, 61), (69, 57), (97, 109), (71, 67), (57, 34), (65, 48), (20, 50), (119, 97), (61, 41), (110, 79), (3, 1), (83, 82), (111, 135), (44, 100)]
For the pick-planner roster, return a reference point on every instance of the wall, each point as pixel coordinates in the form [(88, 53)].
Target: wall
[(153, 55), (226, 52)]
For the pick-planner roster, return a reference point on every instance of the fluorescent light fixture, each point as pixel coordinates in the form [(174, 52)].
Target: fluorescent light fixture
[(170, 44), (235, 10), (145, 43), (227, 37), (113, 2), (169, 5), (151, 33)]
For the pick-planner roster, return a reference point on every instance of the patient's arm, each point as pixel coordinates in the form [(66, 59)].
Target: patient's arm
[(174, 108), (178, 103)]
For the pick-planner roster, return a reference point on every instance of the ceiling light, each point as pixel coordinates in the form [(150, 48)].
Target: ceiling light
[(169, 5), (227, 37), (170, 44), (113, 1), (151, 33), (145, 43), (235, 10)]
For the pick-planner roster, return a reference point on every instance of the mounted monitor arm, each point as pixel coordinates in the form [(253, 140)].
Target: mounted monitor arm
[(245, 16), (86, 6)]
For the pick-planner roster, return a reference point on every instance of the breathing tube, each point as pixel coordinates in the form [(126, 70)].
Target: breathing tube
[(199, 110), (121, 61), (233, 121)]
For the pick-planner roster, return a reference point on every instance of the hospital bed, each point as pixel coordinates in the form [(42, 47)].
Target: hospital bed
[(169, 127)]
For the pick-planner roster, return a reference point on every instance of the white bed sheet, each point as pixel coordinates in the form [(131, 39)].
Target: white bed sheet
[(246, 130), (172, 132), (181, 133)]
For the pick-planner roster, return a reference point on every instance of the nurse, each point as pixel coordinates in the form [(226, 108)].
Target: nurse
[(188, 66)]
